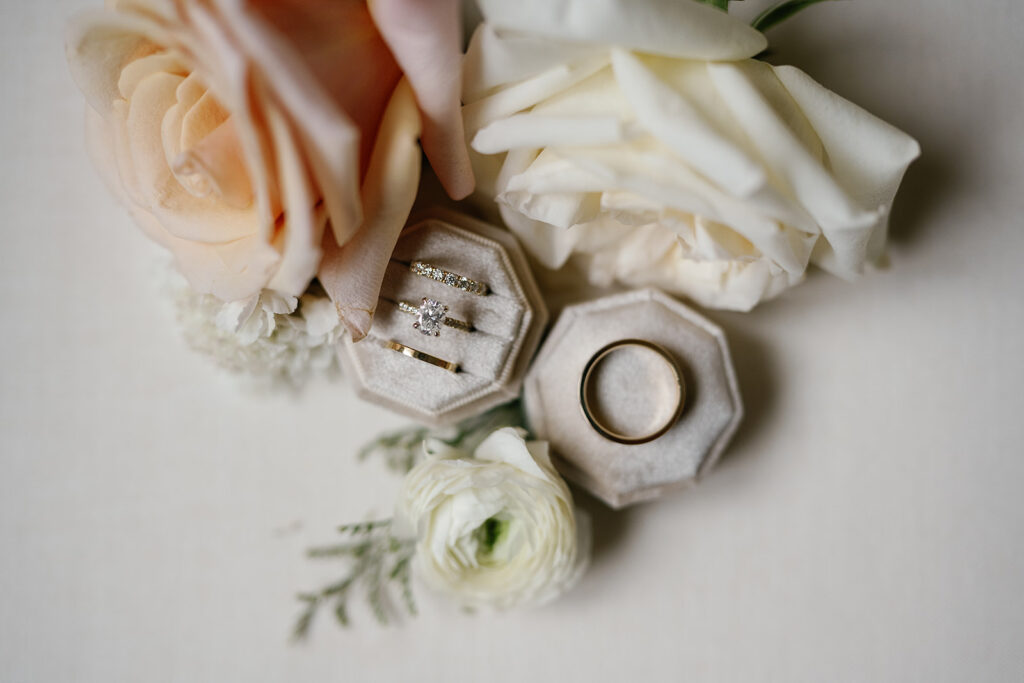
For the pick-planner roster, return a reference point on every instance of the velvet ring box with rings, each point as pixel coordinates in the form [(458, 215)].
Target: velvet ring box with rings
[(491, 358), (628, 365)]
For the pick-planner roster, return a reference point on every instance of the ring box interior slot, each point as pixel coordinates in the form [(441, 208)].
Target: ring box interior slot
[(618, 473), (492, 358)]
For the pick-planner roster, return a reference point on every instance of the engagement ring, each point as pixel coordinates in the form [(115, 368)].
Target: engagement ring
[(430, 315)]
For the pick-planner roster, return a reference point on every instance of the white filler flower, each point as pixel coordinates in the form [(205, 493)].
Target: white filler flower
[(496, 528), (269, 335)]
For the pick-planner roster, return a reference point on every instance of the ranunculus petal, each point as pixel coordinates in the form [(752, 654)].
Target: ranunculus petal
[(493, 528)]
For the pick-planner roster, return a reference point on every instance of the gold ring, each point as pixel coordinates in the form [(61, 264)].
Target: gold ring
[(430, 315), (449, 278), (419, 355), (604, 430)]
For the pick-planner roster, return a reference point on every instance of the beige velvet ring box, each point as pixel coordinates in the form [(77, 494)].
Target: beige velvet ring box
[(492, 359), (636, 391)]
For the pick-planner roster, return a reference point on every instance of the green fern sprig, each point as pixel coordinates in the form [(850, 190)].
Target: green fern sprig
[(378, 561)]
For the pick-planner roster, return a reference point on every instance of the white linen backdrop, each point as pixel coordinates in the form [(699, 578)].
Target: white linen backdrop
[(867, 524)]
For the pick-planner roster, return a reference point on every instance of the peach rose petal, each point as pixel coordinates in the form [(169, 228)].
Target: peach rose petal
[(424, 38), (300, 253), (216, 165), (325, 112), (352, 274), (99, 44), (231, 269), (231, 81)]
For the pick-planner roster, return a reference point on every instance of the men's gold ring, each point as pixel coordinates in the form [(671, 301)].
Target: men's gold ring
[(419, 355), (599, 425), (449, 278)]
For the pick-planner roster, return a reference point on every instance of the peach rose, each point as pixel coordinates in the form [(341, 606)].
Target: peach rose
[(264, 142)]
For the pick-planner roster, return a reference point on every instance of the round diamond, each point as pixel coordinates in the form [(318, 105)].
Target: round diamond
[(430, 316)]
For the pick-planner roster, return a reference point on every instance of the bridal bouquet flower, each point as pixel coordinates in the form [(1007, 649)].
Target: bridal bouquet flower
[(493, 529), (268, 143), (275, 149), (643, 140)]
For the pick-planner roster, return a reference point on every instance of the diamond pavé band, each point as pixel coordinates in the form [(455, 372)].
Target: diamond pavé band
[(449, 278)]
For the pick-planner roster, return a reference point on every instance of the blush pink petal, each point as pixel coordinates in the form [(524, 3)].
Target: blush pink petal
[(352, 274), (425, 39), (333, 76)]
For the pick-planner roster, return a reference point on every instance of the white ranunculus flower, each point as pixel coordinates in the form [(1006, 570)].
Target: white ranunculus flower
[(268, 336), (638, 138), (496, 528)]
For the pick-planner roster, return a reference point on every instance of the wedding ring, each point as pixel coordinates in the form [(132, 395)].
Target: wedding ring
[(678, 388), (449, 278), (419, 355), (430, 315)]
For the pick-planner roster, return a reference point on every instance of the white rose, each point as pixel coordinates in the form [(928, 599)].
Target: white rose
[(496, 528), (638, 138)]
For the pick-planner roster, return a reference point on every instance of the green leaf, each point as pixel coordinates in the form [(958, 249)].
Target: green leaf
[(341, 614), (363, 527), (353, 549), (720, 4), (779, 13), (305, 620)]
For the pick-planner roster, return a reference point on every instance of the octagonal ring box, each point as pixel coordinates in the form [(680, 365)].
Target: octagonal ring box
[(636, 392), (492, 359)]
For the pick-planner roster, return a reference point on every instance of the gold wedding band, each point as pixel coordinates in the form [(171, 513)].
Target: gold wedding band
[(419, 355), (430, 315), (603, 429), (449, 278)]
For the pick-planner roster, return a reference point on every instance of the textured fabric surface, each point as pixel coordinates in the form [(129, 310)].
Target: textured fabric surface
[(621, 474)]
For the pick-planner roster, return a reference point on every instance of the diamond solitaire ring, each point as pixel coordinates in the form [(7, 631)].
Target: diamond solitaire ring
[(448, 278), (431, 315)]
